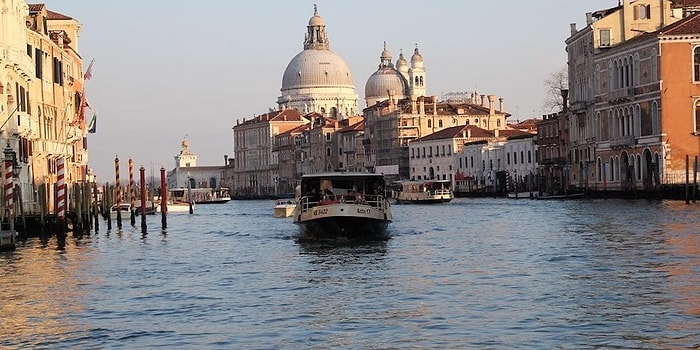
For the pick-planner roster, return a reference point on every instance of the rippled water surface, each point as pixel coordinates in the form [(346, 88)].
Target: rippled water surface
[(474, 273)]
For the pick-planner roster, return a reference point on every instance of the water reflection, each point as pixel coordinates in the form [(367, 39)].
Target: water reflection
[(41, 287)]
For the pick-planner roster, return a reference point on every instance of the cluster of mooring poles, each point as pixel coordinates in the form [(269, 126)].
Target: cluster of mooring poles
[(76, 207), (114, 196)]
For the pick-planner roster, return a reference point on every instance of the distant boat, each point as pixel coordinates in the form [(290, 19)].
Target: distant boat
[(284, 208), (124, 208), (342, 205), (522, 195), (201, 195), (573, 195), (176, 207), (422, 191)]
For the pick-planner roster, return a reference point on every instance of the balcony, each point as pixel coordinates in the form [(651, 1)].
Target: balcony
[(578, 107), (622, 141), (621, 95)]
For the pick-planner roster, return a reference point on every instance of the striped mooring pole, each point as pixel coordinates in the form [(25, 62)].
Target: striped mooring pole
[(132, 192), (9, 195), (118, 193), (61, 194)]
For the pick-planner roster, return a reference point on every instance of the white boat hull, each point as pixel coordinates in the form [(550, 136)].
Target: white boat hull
[(284, 211)]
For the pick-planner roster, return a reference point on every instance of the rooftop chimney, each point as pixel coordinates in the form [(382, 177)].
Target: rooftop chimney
[(573, 28), (492, 104), (589, 18), (500, 104)]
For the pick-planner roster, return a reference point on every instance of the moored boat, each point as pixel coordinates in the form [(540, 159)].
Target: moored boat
[(284, 208), (342, 205), (201, 195), (123, 208), (422, 191)]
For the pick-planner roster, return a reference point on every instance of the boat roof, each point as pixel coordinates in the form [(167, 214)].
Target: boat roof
[(342, 175), (421, 181)]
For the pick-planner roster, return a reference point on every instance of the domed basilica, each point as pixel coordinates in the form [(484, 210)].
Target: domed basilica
[(317, 79), (397, 83)]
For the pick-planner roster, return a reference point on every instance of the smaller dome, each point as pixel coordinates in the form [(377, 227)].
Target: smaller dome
[(316, 20), (384, 81), (417, 57), (401, 63), (386, 54)]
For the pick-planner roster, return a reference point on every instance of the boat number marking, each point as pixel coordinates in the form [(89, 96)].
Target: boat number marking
[(320, 211), (363, 211)]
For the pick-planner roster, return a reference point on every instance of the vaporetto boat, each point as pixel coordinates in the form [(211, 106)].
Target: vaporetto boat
[(422, 191), (342, 205)]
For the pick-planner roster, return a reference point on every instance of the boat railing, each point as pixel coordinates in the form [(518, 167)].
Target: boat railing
[(440, 192), (375, 201)]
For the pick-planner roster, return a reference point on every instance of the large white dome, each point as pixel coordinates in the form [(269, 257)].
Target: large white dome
[(317, 79), (316, 68)]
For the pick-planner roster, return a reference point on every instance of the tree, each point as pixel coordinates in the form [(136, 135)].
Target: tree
[(557, 82)]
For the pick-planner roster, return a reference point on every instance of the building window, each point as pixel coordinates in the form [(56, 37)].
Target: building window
[(697, 118), (642, 12), (430, 123), (498, 123), (440, 123), (696, 65), (507, 158), (328, 136), (605, 39)]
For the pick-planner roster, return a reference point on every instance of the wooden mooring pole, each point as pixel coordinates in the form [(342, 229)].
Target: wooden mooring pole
[(142, 172), (163, 199), (95, 207)]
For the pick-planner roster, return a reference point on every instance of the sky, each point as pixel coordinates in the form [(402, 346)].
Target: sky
[(166, 70)]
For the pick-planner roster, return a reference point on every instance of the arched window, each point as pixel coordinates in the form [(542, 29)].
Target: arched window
[(697, 117), (498, 123), (323, 110), (696, 64), (328, 152), (440, 123), (430, 123), (334, 112)]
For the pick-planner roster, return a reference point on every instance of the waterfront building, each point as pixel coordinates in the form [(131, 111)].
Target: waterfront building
[(42, 105), (494, 159), (633, 92), (391, 125), (255, 169), (187, 173), (285, 152), (552, 151), (317, 79), (350, 149), (318, 146), (434, 157)]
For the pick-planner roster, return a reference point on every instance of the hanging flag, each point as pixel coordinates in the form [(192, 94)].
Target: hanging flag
[(88, 72), (92, 125)]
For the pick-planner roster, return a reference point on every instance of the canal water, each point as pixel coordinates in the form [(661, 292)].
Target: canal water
[(474, 273)]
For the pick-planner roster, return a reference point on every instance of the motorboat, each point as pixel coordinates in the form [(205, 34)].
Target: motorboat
[(201, 195), (422, 191), (123, 208), (342, 205), (284, 208)]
